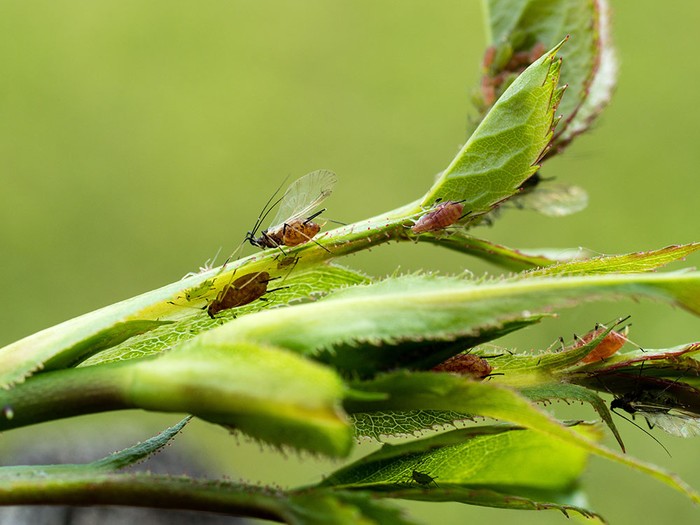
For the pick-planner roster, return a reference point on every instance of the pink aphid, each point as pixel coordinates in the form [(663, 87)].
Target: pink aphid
[(440, 217), (610, 344)]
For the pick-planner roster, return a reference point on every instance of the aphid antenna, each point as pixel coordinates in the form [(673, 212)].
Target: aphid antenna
[(188, 306), (208, 265), (642, 429), (235, 255), (250, 236), (631, 420)]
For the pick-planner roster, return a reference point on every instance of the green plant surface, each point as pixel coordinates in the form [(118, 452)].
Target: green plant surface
[(484, 466), (484, 172), (328, 354), (257, 389), (528, 107), (590, 62)]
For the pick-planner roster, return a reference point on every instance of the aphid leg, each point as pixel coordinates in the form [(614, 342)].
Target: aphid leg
[(642, 429), (561, 342), (320, 245), (294, 265), (311, 239), (274, 243)]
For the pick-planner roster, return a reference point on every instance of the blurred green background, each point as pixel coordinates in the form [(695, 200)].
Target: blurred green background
[(136, 138)]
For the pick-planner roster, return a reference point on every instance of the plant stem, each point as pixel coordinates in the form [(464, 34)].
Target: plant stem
[(64, 393), (145, 490)]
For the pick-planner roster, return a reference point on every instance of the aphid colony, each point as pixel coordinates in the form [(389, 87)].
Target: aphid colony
[(292, 226)]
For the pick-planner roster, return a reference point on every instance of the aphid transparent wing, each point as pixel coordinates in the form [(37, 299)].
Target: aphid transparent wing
[(554, 200), (303, 195), (677, 423)]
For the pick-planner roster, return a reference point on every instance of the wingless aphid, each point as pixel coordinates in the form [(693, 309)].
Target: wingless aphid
[(203, 288), (293, 224), (607, 347), (242, 291), (423, 479), (442, 215), (466, 364)]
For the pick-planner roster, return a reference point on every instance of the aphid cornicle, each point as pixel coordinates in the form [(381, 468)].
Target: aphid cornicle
[(444, 214), (242, 291), (293, 225)]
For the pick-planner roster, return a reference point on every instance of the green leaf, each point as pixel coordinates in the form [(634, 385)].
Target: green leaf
[(304, 285), (115, 461), (310, 507), (481, 455), (589, 61), (504, 150), (547, 392), (36, 352), (521, 370), (260, 390), (406, 423), (440, 391), (512, 259), (71, 342), (366, 358), (387, 323), (140, 451), (486, 465), (626, 263), (48, 485), (417, 308)]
